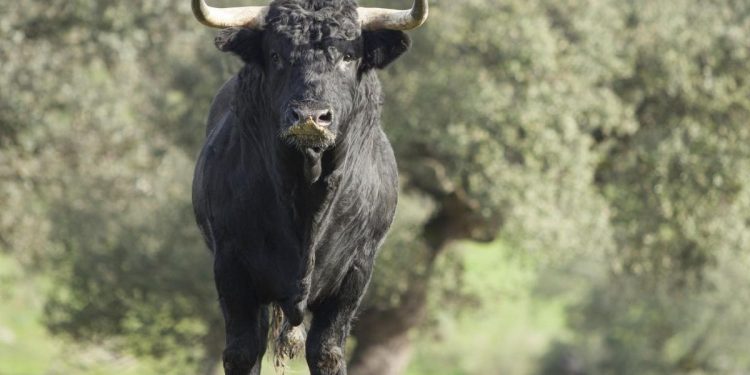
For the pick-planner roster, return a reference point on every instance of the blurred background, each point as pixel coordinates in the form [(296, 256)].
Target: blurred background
[(575, 191)]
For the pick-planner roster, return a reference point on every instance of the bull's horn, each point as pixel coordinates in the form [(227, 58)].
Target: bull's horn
[(247, 17), (379, 18)]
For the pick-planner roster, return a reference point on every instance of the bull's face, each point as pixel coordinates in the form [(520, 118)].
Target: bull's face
[(311, 67), (313, 81)]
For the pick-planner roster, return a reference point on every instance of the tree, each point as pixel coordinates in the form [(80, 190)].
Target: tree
[(678, 198), (497, 121), (101, 117)]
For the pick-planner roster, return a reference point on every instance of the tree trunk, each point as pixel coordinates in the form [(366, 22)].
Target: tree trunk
[(390, 356), (213, 344), (384, 344), (210, 366)]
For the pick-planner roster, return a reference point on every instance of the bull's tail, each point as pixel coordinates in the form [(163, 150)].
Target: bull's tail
[(287, 341)]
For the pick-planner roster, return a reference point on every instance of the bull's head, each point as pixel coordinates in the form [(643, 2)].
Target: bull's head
[(311, 55)]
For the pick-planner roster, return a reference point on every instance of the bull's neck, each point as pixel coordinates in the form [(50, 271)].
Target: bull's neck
[(307, 166)]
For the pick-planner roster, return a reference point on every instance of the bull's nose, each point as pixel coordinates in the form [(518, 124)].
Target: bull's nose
[(322, 117)]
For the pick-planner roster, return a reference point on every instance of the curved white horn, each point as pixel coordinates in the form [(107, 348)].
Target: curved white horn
[(392, 19), (251, 17)]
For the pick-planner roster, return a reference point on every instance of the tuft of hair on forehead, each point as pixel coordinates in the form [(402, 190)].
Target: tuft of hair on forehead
[(312, 21)]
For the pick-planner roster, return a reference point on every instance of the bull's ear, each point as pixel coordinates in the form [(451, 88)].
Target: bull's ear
[(383, 47), (245, 43)]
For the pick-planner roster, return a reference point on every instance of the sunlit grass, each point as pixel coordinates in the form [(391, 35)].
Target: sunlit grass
[(26, 348), (504, 334)]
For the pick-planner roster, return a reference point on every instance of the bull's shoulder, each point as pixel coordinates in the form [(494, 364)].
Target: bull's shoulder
[(221, 104)]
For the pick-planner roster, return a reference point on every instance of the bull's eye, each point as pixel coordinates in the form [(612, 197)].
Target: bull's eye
[(348, 57), (275, 57)]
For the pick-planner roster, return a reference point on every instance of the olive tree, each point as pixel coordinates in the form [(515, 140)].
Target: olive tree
[(500, 124)]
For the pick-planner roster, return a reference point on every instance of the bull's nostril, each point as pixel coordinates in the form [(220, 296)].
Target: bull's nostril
[(320, 117), (325, 118)]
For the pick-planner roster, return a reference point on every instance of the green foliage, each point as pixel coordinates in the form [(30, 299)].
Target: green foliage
[(520, 97), (26, 348), (107, 103), (679, 200), (678, 174)]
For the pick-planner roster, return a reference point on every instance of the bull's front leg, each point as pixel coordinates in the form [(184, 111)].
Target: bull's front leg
[(294, 306), (246, 321), (331, 324)]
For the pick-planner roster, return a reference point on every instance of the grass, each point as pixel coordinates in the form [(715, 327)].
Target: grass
[(26, 348), (506, 332)]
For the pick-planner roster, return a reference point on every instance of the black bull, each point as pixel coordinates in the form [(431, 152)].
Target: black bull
[(296, 185)]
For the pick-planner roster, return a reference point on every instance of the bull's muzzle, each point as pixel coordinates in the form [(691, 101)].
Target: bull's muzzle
[(309, 133), (307, 128)]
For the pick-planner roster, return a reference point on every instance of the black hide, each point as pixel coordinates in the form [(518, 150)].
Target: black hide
[(290, 221)]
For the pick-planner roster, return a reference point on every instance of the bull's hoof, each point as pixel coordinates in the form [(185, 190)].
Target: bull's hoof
[(289, 344), (295, 339), (238, 361), (331, 361)]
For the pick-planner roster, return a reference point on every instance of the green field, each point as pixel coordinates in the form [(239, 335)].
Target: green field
[(503, 333), (26, 348)]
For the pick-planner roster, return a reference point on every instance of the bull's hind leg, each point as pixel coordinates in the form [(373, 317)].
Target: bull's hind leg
[(246, 321), (331, 323)]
